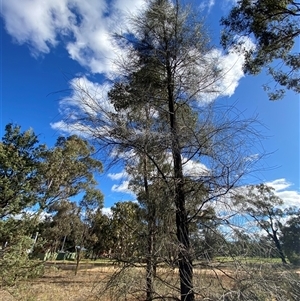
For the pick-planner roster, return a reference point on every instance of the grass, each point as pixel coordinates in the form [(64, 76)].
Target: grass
[(247, 259), (60, 283)]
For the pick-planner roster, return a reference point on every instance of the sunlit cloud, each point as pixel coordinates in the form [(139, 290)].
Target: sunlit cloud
[(194, 169), (231, 66), (289, 197), (83, 27), (118, 176), (71, 129), (279, 184), (122, 188)]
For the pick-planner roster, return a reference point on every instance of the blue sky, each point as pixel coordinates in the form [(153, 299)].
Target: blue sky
[(46, 44)]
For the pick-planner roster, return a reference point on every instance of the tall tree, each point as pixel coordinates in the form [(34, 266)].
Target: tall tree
[(62, 226), (262, 205), (126, 229), (102, 234), (167, 51), (20, 156), (67, 170), (159, 115), (274, 25), (171, 73), (152, 195)]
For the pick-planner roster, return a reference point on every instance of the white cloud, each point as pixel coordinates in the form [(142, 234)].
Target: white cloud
[(107, 211), (118, 176), (122, 188), (290, 197), (279, 184), (194, 169), (73, 129), (231, 66), (85, 27), (211, 3), (87, 100), (89, 97), (208, 4)]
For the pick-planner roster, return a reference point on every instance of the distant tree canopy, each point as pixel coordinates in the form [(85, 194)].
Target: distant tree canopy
[(31, 174), (263, 206), (275, 26), (291, 239)]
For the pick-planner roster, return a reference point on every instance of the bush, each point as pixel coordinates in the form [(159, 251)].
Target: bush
[(15, 264)]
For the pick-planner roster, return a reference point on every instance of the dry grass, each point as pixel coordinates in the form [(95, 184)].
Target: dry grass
[(60, 283)]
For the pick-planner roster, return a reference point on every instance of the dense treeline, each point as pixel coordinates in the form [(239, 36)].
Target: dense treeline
[(33, 226)]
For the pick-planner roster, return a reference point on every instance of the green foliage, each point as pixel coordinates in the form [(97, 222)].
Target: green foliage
[(127, 229), (263, 206), (163, 121), (15, 264), (275, 28), (206, 239), (67, 170), (61, 226), (101, 241), (291, 239), (19, 166), (34, 178), (31, 173)]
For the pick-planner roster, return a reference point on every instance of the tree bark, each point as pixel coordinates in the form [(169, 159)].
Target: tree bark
[(150, 262), (278, 246), (182, 231)]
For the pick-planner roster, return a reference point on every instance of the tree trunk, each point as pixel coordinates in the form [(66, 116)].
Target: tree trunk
[(150, 261), (151, 268), (182, 231), (185, 261), (78, 253), (278, 246)]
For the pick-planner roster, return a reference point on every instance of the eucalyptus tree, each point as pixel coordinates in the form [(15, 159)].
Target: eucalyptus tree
[(20, 155), (126, 230), (102, 234), (153, 198), (62, 226), (67, 170), (274, 26), (263, 206), (33, 178), (32, 174)]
